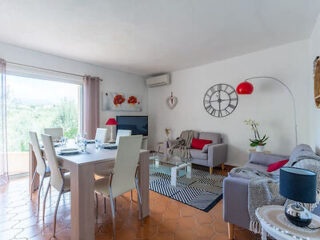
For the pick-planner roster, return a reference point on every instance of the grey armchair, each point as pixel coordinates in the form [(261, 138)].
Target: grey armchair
[(215, 155)]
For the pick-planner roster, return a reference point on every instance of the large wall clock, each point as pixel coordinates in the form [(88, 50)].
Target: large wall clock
[(220, 100)]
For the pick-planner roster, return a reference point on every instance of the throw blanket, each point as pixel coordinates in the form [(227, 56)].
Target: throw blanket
[(182, 145), (263, 187)]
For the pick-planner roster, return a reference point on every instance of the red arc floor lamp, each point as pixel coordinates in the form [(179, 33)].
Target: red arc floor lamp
[(246, 88)]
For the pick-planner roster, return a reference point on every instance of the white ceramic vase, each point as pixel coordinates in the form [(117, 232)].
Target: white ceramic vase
[(259, 148)]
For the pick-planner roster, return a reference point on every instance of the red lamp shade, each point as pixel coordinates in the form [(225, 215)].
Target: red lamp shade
[(245, 88), (112, 121)]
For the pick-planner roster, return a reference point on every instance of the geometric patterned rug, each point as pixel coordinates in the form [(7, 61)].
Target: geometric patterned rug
[(202, 191)]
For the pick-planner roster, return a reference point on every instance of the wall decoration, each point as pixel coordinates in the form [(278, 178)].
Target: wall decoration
[(316, 70), (172, 101), (116, 101), (220, 100)]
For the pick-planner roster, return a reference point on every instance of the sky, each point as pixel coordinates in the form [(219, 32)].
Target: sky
[(35, 91)]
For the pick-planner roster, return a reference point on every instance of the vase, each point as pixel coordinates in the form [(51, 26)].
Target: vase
[(259, 148)]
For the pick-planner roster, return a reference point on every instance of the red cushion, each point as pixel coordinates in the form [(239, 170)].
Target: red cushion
[(199, 143), (275, 166)]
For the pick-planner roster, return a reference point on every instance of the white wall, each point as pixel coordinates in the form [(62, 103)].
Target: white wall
[(112, 80), (314, 112), (270, 104)]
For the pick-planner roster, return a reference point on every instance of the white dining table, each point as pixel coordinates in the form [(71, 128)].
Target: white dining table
[(82, 167)]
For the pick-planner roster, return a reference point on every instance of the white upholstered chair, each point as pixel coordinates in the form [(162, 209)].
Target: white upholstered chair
[(122, 133), (56, 133), (58, 180), (42, 169), (105, 172), (124, 175), (101, 135)]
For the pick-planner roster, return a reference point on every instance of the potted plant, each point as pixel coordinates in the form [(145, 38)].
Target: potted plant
[(258, 142)]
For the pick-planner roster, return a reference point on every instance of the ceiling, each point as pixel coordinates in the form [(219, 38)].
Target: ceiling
[(154, 36)]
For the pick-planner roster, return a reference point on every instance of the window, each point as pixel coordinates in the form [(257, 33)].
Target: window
[(35, 104)]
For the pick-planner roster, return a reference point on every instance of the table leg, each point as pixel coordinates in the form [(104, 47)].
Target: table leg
[(263, 234), (189, 171), (82, 202), (143, 173), (174, 173), (32, 168)]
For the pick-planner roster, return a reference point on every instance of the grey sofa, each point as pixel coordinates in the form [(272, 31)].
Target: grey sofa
[(216, 154), (235, 188)]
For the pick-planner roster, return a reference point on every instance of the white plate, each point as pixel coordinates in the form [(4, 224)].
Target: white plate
[(109, 145), (69, 151)]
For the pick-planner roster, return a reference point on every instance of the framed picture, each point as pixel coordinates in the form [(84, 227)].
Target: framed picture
[(118, 101)]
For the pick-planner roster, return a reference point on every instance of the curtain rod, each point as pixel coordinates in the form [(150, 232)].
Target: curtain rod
[(47, 69)]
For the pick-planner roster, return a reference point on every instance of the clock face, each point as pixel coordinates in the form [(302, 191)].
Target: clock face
[(220, 100)]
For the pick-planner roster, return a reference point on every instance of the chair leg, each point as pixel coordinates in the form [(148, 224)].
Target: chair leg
[(44, 201), (105, 204), (230, 231), (39, 192), (33, 177), (211, 170), (97, 203), (113, 213), (55, 213)]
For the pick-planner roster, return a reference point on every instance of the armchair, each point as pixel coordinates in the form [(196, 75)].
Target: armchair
[(215, 155)]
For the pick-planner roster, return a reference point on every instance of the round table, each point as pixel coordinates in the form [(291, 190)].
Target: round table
[(275, 224)]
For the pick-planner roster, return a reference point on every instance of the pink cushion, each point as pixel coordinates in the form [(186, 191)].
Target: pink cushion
[(199, 143), (275, 166)]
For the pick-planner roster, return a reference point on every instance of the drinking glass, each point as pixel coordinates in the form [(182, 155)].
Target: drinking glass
[(98, 145), (83, 145)]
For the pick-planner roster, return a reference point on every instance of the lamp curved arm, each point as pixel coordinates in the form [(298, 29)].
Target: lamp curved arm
[(292, 97)]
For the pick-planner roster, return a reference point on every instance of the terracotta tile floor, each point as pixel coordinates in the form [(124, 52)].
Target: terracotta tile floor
[(168, 218)]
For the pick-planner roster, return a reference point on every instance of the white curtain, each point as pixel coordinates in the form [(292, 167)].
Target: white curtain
[(3, 125)]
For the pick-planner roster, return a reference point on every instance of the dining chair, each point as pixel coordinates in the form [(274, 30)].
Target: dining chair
[(42, 169), (58, 179), (122, 133), (56, 133), (124, 176), (101, 172), (101, 135)]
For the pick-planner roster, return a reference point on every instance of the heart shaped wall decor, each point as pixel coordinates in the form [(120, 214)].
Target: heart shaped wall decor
[(172, 101)]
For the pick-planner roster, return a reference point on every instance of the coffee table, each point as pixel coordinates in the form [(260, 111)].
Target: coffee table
[(174, 163)]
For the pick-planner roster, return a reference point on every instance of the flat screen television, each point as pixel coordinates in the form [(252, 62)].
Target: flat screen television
[(137, 124)]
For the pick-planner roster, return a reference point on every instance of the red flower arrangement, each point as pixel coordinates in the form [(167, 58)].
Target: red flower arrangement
[(118, 99), (132, 100)]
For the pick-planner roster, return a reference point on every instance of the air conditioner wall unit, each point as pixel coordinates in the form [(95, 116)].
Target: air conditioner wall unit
[(157, 81)]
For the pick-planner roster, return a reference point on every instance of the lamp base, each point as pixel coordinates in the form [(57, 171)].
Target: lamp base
[(298, 215)]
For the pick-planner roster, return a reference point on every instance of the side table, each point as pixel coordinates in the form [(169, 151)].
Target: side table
[(254, 150), (162, 147), (275, 224)]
